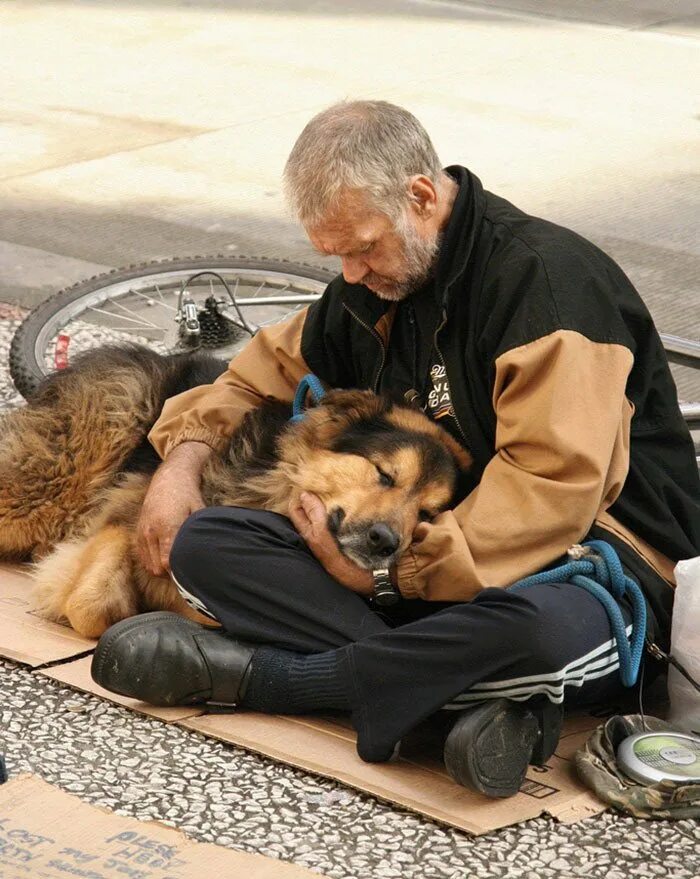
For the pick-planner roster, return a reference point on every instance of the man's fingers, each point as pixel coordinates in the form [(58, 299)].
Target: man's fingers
[(154, 564), (421, 531), (164, 556), (149, 551), (299, 519), (313, 507)]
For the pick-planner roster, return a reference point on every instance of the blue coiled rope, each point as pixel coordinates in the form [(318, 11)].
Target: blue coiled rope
[(309, 384), (600, 572)]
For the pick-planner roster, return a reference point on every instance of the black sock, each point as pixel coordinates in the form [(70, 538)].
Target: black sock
[(283, 682)]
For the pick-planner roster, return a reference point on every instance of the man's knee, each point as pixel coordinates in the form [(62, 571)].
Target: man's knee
[(224, 532), (549, 625)]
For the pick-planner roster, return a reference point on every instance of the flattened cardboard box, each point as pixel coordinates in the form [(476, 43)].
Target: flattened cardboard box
[(417, 781), (76, 674), (325, 746), (48, 834), (24, 636)]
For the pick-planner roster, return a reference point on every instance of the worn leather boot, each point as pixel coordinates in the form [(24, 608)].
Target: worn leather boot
[(165, 659), (491, 744)]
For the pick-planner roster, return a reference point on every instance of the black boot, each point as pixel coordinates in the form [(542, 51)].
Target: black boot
[(491, 744), (165, 659)]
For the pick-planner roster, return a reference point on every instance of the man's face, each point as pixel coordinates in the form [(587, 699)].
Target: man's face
[(391, 262)]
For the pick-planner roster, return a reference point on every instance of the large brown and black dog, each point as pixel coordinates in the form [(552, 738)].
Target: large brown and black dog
[(75, 466)]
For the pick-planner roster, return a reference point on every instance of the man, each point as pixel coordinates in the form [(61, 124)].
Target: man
[(533, 349)]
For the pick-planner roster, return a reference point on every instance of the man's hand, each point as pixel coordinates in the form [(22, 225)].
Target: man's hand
[(309, 518), (172, 496)]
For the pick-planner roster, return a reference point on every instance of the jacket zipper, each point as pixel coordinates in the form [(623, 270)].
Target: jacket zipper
[(414, 342), (375, 334), (447, 378)]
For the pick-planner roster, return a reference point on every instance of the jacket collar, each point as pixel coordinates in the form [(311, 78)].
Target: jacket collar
[(462, 228)]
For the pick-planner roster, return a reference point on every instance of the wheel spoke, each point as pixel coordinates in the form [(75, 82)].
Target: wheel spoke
[(131, 329), (149, 299), (135, 313), (161, 296), (140, 321)]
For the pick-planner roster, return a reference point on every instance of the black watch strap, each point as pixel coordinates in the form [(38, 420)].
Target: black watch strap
[(385, 594)]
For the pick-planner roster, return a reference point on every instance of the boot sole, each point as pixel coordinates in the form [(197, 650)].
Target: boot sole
[(490, 747)]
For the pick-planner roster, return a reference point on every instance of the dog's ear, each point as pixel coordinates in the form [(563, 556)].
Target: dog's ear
[(346, 407), (459, 454), (412, 417)]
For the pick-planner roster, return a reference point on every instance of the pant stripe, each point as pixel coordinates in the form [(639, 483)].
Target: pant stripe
[(597, 664), (192, 600)]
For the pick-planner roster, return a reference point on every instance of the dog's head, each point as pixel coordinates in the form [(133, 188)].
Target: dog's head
[(379, 468)]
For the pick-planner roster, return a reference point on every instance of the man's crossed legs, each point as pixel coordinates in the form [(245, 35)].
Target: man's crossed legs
[(296, 641)]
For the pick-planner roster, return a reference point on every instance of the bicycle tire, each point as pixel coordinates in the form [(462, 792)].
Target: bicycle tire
[(25, 364)]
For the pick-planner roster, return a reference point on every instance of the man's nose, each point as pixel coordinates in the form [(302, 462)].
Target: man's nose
[(354, 269)]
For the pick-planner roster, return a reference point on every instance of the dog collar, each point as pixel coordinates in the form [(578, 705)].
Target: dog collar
[(309, 384)]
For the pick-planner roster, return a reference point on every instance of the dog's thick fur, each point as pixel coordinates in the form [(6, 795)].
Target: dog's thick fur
[(75, 466)]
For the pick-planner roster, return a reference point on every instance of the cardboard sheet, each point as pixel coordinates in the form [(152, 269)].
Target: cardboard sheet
[(77, 674), (325, 746), (48, 834), (418, 780), (25, 637)]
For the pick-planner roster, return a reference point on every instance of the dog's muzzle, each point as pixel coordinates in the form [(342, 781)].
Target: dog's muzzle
[(372, 545)]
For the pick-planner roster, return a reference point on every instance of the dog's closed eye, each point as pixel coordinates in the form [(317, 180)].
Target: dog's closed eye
[(384, 477)]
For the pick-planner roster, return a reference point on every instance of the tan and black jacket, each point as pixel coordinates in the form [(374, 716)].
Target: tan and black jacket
[(560, 389)]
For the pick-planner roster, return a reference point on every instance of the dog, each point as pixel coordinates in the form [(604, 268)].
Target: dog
[(75, 466)]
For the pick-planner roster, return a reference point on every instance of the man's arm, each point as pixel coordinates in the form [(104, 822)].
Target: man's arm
[(562, 453), (200, 421), (269, 367), (173, 495)]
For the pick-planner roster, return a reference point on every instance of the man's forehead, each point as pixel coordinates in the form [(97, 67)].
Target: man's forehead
[(344, 231)]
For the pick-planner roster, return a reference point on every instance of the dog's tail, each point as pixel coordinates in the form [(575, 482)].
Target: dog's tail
[(77, 433)]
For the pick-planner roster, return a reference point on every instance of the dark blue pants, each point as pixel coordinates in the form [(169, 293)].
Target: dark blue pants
[(252, 572)]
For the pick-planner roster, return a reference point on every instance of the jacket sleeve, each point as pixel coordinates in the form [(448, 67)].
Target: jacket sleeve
[(268, 368), (562, 454)]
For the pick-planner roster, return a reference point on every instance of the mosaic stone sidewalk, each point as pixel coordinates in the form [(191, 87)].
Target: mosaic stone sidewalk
[(217, 793)]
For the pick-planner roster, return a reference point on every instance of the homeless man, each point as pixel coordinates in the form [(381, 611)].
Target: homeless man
[(536, 353)]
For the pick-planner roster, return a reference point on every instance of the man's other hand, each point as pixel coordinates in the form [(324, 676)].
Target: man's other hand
[(309, 518), (173, 495)]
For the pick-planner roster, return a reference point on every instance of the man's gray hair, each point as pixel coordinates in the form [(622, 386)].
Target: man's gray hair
[(371, 146)]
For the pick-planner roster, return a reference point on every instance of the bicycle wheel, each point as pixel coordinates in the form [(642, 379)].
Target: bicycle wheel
[(213, 303)]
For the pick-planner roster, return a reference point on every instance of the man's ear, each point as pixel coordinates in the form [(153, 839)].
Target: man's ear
[(423, 196), (461, 456)]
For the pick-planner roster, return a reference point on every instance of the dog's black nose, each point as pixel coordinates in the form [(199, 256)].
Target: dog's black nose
[(383, 539)]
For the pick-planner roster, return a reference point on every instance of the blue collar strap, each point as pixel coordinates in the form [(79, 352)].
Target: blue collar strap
[(309, 384), (595, 567)]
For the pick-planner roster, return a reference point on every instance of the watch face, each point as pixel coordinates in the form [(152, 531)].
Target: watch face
[(386, 598)]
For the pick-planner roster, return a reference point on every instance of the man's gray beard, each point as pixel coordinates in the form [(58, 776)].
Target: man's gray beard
[(421, 257)]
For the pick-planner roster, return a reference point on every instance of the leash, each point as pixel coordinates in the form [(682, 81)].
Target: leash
[(309, 384), (595, 567)]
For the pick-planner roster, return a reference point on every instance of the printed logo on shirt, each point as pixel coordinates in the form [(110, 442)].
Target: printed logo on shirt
[(439, 399)]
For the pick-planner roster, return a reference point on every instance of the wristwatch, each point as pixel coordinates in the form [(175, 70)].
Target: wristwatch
[(384, 592)]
